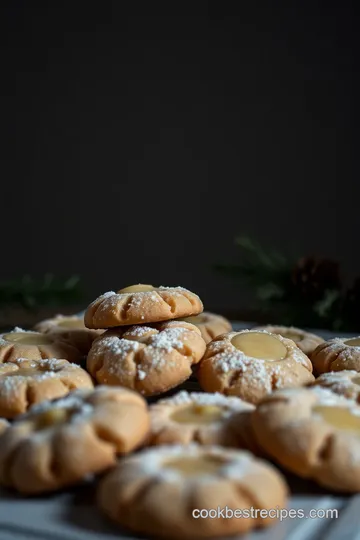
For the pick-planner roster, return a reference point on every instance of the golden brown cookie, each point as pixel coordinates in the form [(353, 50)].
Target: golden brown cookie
[(345, 383), (25, 382), (210, 325), (252, 363), (141, 304), (4, 424), (59, 443), (71, 329), (160, 492), (34, 345), (306, 341), (208, 419), (149, 359), (314, 433), (336, 355)]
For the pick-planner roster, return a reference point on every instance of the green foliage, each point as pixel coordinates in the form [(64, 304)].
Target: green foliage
[(30, 293), (305, 292)]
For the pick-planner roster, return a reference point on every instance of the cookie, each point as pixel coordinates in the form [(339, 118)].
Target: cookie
[(59, 443), (4, 424), (345, 383), (252, 363), (71, 329), (208, 419), (35, 346), (306, 341), (160, 492), (336, 355), (140, 304), (314, 433), (210, 325), (149, 359), (25, 382)]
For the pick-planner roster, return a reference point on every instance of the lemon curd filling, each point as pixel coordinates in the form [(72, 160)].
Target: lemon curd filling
[(260, 345)]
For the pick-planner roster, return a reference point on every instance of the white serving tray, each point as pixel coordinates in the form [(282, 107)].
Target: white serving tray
[(73, 515)]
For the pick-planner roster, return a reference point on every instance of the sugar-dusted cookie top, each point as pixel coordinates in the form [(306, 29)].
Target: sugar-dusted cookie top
[(345, 383), (148, 358), (25, 382), (203, 418), (140, 304), (163, 486), (21, 343), (337, 354), (252, 363), (59, 443), (314, 433)]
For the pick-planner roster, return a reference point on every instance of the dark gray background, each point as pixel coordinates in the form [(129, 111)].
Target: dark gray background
[(136, 145)]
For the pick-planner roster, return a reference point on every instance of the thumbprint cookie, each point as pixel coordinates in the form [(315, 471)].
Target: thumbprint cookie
[(208, 419), (161, 491), (252, 363), (336, 355), (60, 443), (71, 329), (25, 382), (140, 304), (313, 433), (35, 346)]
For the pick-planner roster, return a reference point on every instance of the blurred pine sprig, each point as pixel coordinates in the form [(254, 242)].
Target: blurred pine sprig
[(31, 293), (306, 291)]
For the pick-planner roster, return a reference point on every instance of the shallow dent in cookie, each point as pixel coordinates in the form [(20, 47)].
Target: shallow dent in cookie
[(28, 338), (71, 323), (140, 287), (339, 417), (197, 414), (194, 466), (52, 417), (260, 345), (355, 342)]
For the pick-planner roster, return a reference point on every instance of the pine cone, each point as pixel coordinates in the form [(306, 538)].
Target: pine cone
[(312, 277)]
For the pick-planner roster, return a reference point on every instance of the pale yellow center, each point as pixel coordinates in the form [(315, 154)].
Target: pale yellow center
[(259, 345), (197, 414), (137, 288), (194, 466), (71, 323), (353, 342), (52, 417), (339, 417), (28, 338)]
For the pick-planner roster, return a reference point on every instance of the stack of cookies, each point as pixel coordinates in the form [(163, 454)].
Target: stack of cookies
[(257, 402)]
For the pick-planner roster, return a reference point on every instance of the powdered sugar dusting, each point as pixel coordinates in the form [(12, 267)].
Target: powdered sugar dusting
[(168, 339), (117, 346), (232, 464), (141, 374), (184, 398), (139, 331)]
